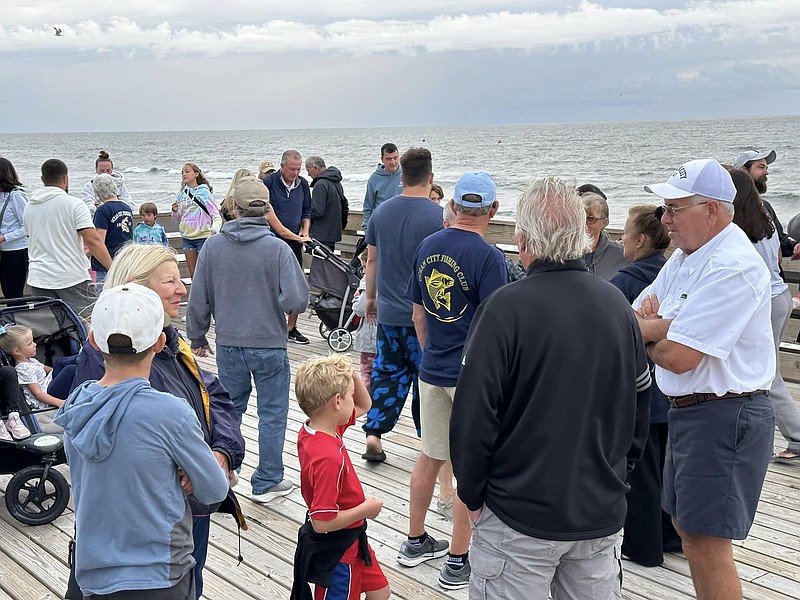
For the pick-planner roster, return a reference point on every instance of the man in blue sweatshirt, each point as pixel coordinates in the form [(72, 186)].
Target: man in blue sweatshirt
[(249, 281), (385, 182), (135, 454)]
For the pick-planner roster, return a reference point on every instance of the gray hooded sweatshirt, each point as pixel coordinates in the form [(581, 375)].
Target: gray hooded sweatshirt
[(249, 280)]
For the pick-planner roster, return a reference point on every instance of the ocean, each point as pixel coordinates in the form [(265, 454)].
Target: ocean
[(619, 157)]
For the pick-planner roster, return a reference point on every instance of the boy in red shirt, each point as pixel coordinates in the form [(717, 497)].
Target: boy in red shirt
[(332, 550)]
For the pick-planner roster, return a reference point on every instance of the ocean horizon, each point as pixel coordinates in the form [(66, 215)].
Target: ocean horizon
[(620, 157)]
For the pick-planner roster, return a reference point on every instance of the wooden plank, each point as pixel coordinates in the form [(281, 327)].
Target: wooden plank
[(17, 583)]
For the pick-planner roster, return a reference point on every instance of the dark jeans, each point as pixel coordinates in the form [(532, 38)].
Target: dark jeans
[(10, 394), (13, 272)]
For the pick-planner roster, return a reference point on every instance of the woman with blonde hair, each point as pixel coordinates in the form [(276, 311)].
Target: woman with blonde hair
[(229, 214), (175, 371)]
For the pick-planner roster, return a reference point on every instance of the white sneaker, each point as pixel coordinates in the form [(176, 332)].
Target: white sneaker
[(284, 488), (17, 428), (5, 434)]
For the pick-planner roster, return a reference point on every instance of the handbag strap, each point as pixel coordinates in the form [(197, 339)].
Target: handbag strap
[(195, 200), (5, 206)]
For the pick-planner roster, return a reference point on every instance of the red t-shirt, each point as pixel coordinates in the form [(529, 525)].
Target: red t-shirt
[(328, 481)]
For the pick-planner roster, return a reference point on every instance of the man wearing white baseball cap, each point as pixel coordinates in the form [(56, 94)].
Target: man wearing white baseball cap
[(756, 163), (135, 454), (706, 322)]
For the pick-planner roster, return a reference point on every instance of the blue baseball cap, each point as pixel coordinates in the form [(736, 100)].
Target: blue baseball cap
[(478, 183)]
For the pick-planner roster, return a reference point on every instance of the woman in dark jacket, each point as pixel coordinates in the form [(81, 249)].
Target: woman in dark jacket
[(175, 371), (605, 257), (648, 529)]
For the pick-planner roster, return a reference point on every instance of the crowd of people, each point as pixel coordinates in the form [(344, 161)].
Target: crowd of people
[(595, 401)]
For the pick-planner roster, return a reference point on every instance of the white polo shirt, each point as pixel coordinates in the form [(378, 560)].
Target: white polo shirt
[(719, 300)]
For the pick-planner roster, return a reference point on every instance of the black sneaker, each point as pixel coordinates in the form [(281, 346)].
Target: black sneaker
[(297, 337)]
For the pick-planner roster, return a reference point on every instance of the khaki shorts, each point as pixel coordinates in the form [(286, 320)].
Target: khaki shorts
[(436, 405)]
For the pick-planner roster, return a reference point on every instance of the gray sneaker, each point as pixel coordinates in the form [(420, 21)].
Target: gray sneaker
[(284, 488), (411, 555), (454, 579)]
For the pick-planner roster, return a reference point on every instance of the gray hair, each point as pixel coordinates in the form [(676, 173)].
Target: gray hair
[(591, 199), (473, 211), (290, 154), (448, 216), (551, 221), (316, 162), (253, 211), (104, 186)]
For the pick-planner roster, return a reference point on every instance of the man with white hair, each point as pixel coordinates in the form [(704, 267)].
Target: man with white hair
[(550, 413), (706, 322)]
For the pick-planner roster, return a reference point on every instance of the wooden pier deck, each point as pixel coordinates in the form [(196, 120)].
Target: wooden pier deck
[(33, 559)]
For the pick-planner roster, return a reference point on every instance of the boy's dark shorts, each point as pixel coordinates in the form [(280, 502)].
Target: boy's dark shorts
[(717, 458)]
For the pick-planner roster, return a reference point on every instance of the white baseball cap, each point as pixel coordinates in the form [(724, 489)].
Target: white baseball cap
[(131, 310), (704, 177), (751, 155)]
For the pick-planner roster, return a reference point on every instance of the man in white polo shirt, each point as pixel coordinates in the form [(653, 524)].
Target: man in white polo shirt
[(706, 322)]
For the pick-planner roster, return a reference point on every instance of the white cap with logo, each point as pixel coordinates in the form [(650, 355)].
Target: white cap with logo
[(704, 177), (131, 310)]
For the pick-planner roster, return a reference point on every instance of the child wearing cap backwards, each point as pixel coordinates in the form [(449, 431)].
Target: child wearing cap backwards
[(135, 454), (332, 549)]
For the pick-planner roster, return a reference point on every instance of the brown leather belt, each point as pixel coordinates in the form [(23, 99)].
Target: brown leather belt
[(692, 399)]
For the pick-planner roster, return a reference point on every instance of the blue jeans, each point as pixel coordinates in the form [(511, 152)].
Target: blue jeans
[(270, 370)]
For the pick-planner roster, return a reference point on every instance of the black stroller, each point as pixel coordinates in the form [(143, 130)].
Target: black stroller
[(336, 282), (37, 493)]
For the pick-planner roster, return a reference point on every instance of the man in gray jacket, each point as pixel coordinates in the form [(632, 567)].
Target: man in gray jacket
[(249, 280)]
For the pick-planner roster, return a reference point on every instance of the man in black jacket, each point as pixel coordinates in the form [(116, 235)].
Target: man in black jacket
[(327, 199), (550, 413)]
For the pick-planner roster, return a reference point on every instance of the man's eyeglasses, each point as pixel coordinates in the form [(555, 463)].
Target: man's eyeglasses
[(592, 220), (671, 210)]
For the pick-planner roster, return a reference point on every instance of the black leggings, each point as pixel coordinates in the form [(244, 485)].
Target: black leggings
[(10, 394), (13, 272)]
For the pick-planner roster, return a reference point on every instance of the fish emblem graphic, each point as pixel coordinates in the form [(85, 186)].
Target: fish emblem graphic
[(438, 285)]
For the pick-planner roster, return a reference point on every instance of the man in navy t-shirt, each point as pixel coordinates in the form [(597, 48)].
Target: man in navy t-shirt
[(454, 271), (395, 230)]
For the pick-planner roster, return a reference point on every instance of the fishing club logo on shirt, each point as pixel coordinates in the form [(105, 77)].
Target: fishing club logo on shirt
[(440, 273)]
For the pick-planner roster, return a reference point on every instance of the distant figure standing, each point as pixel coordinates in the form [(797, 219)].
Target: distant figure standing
[(196, 213), (13, 238), (648, 529), (104, 164), (112, 220), (267, 167), (384, 183), (395, 231), (290, 198), (58, 226), (553, 361), (328, 202), (706, 322), (604, 258), (437, 193)]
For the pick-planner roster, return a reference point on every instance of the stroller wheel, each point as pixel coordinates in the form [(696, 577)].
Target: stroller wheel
[(340, 340), (324, 331), (36, 501)]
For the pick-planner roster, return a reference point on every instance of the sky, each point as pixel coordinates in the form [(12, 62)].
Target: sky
[(260, 64)]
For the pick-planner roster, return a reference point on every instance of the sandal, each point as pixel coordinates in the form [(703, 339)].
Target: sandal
[(786, 456)]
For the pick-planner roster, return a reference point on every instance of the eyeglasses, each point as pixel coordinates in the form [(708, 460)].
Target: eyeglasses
[(671, 210), (592, 220)]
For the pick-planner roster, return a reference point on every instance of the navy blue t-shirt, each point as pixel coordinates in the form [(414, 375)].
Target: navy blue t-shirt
[(115, 217), (454, 271), (396, 228)]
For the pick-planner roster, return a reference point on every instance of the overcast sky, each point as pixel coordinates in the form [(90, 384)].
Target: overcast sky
[(170, 65)]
